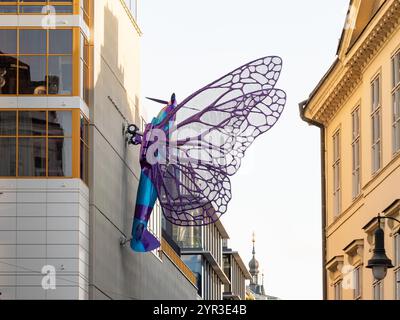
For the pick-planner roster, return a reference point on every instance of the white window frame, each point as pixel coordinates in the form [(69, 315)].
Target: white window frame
[(396, 103), (336, 169), (155, 226), (376, 125), (356, 151)]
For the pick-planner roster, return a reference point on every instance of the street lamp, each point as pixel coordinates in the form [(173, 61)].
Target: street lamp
[(380, 262)]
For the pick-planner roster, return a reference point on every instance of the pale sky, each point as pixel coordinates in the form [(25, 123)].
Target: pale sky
[(189, 43)]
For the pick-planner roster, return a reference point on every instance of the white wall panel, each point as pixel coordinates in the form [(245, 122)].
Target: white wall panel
[(31, 237), (31, 209), (44, 222)]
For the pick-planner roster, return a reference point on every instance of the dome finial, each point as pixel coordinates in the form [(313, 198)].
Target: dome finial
[(253, 264), (254, 243)]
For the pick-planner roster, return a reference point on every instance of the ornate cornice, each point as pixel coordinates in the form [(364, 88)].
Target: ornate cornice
[(353, 70)]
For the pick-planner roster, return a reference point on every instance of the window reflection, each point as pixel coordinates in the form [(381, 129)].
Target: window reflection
[(60, 123), (36, 6), (41, 64), (60, 75), (8, 75), (7, 157), (8, 41), (32, 157), (60, 41), (44, 143), (8, 120), (84, 150), (32, 123), (8, 9), (194, 262), (60, 150), (32, 41), (32, 75), (187, 237)]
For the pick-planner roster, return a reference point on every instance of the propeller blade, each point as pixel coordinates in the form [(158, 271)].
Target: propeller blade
[(166, 103), (157, 100)]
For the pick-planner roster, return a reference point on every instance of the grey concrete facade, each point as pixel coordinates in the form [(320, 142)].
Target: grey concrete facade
[(115, 271)]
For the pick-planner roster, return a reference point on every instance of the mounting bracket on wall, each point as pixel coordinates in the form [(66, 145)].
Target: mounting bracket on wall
[(124, 240)]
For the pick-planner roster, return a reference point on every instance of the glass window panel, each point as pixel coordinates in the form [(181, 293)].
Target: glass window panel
[(376, 127), (396, 69), (8, 75), (32, 41), (396, 121), (32, 123), (84, 165), (60, 157), (60, 75), (8, 41), (7, 157), (32, 157), (32, 75), (375, 94), (60, 123), (8, 9), (8, 123), (60, 41), (194, 262), (32, 9), (63, 9), (85, 83), (82, 127), (84, 50)]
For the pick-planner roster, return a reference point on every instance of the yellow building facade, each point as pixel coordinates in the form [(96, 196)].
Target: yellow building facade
[(357, 107)]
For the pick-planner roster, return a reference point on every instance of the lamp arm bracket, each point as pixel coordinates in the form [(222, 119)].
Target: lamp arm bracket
[(379, 218)]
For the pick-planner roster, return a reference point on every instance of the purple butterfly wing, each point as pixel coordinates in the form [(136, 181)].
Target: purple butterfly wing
[(212, 132), (193, 194), (258, 75)]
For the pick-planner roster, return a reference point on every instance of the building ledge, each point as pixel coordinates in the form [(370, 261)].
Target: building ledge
[(355, 251), (371, 226), (335, 263), (393, 209), (240, 262), (335, 266), (44, 102)]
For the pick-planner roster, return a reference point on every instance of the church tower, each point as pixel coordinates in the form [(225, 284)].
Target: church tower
[(255, 285)]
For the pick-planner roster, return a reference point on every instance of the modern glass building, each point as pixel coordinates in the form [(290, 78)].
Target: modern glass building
[(237, 273), (220, 272), (69, 84), (201, 249)]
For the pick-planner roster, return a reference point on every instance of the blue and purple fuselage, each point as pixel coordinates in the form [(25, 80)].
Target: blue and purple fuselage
[(142, 239)]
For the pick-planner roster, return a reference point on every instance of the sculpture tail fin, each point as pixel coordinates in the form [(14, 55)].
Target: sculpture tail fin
[(143, 240)]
